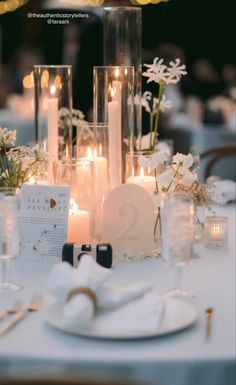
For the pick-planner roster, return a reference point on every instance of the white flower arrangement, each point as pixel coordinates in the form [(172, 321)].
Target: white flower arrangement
[(18, 164), (163, 75), (181, 175), (160, 73), (7, 137)]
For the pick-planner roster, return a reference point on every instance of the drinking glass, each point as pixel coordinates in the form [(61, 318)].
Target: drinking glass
[(9, 234), (177, 239)]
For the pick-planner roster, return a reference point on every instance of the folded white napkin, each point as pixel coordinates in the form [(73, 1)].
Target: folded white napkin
[(224, 191), (79, 311), (142, 314)]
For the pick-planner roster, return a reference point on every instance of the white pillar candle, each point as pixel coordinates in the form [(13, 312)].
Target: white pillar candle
[(78, 225), (101, 174), (116, 87), (115, 154), (53, 125), (145, 181)]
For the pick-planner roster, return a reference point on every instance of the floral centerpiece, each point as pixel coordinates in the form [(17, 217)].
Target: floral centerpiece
[(181, 176), (18, 164), (163, 75)]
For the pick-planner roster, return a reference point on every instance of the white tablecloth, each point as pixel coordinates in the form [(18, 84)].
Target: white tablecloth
[(183, 358)]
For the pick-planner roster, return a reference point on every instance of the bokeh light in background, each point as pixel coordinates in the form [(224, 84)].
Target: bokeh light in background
[(201, 35)]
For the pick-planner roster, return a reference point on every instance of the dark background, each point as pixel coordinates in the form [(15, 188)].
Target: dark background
[(203, 28)]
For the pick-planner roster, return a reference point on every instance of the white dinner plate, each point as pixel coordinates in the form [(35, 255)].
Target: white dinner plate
[(178, 315)]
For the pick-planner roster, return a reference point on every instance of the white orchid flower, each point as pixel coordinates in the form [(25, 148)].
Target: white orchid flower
[(165, 103), (144, 162), (158, 158), (7, 137), (175, 72), (166, 181), (145, 100), (182, 160), (153, 161), (157, 71), (164, 147), (187, 177), (145, 141)]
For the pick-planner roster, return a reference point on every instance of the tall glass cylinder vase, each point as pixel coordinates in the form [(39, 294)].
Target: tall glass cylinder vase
[(122, 46), (53, 109), (92, 144), (114, 106)]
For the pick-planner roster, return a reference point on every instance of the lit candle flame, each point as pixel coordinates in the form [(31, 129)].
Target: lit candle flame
[(73, 205), (117, 73), (31, 180), (57, 81), (89, 154), (44, 78), (53, 90), (112, 93), (28, 81)]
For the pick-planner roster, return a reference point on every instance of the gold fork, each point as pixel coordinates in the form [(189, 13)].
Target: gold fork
[(208, 314), (15, 307), (35, 304)]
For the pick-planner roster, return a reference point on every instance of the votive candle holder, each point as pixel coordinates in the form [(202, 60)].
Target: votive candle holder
[(216, 232)]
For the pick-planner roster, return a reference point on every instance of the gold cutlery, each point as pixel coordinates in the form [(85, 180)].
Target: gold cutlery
[(15, 307), (35, 304), (208, 314)]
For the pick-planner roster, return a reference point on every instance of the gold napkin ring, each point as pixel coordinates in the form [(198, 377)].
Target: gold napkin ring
[(83, 290)]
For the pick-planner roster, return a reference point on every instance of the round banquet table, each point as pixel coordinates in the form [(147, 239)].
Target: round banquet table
[(183, 358)]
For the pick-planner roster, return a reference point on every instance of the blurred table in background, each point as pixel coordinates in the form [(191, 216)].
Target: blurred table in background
[(24, 125), (202, 139)]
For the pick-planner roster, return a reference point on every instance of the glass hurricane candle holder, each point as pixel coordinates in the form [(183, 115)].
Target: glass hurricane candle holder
[(114, 106), (122, 46), (93, 145), (53, 109), (137, 173), (216, 232), (78, 174)]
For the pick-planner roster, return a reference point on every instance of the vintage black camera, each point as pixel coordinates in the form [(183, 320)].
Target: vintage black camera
[(102, 253)]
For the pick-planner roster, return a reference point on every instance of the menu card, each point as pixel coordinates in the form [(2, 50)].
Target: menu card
[(43, 221)]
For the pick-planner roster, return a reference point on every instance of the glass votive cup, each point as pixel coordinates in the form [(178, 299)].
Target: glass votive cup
[(137, 173), (216, 232), (78, 175)]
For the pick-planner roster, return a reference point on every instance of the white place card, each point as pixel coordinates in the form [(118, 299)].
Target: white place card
[(129, 219), (43, 221)]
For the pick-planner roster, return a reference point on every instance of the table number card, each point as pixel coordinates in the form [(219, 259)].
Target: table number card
[(128, 220), (43, 221)]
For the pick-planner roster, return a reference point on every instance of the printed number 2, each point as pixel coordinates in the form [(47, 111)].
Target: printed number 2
[(129, 231)]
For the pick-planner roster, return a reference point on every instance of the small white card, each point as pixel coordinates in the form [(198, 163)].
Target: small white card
[(43, 221), (128, 220)]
